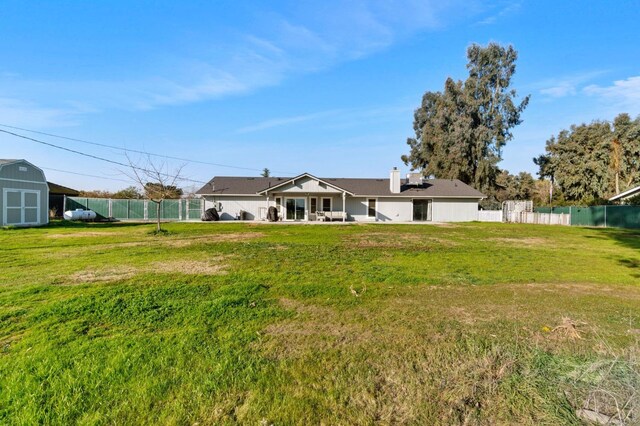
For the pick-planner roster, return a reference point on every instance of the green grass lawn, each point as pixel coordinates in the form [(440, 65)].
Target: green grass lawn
[(272, 324)]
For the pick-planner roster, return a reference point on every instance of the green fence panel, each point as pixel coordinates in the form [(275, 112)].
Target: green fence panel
[(195, 208), (171, 209), (588, 216), (608, 216), (152, 210), (623, 216), (184, 208), (120, 209), (74, 203), (100, 206), (136, 209)]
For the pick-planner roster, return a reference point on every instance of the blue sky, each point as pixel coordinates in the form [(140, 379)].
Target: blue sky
[(322, 87)]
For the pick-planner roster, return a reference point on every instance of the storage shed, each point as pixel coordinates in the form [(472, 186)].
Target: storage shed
[(24, 194)]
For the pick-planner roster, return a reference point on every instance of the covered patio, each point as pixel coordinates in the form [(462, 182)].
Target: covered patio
[(307, 198)]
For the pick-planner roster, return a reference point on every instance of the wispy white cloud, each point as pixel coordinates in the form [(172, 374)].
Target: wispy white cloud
[(29, 114), (306, 38), (621, 94), (285, 121), (568, 85), (508, 10), (335, 118)]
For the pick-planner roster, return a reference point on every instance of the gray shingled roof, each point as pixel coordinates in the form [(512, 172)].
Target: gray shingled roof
[(231, 185), (5, 161)]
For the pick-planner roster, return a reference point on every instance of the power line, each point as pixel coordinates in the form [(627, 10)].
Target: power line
[(137, 151), (84, 174), (94, 156)]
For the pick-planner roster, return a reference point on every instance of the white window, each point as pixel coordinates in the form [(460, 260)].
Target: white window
[(326, 204)]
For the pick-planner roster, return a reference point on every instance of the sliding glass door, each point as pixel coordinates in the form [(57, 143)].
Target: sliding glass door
[(421, 210), (295, 208)]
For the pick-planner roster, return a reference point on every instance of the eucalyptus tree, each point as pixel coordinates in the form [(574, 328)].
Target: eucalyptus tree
[(461, 132)]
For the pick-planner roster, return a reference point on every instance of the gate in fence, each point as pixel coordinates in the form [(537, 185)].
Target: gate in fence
[(133, 209)]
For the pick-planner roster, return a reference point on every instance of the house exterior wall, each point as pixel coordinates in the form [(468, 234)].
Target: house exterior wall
[(21, 175), (231, 205), (454, 210), (388, 209), (395, 209)]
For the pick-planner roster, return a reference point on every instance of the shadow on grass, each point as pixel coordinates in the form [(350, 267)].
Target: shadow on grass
[(629, 238)]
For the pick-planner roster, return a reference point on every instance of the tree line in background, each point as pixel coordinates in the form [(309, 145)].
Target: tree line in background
[(589, 163), (461, 131), (133, 192)]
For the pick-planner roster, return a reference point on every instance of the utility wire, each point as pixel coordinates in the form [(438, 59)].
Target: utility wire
[(84, 174), (131, 166), (138, 151)]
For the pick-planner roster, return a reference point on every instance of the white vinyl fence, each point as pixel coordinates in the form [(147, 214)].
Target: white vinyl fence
[(539, 218), (524, 217), (490, 215)]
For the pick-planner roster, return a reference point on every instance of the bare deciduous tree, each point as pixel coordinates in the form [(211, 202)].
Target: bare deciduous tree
[(157, 181)]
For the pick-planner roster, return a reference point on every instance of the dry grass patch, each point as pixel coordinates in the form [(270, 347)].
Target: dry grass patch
[(213, 266), (313, 329), (7, 341), (87, 234), (392, 240), (119, 245), (526, 242), (235, 237), (93, 275)]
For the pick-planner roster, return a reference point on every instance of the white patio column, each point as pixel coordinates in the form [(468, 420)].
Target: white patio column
[(267, 212), (344, 206)]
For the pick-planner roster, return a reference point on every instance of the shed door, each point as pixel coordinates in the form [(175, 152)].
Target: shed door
[(21, 207)]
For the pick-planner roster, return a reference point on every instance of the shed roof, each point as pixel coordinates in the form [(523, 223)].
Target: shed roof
[(235, 185), (54, 188)]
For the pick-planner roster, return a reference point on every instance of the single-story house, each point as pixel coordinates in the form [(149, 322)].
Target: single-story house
[(629, 193), (57, 194), (309, 198), (24, 194)]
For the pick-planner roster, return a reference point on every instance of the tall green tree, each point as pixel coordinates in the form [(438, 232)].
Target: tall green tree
[(625, 152), (461, 131), (592, 162)]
